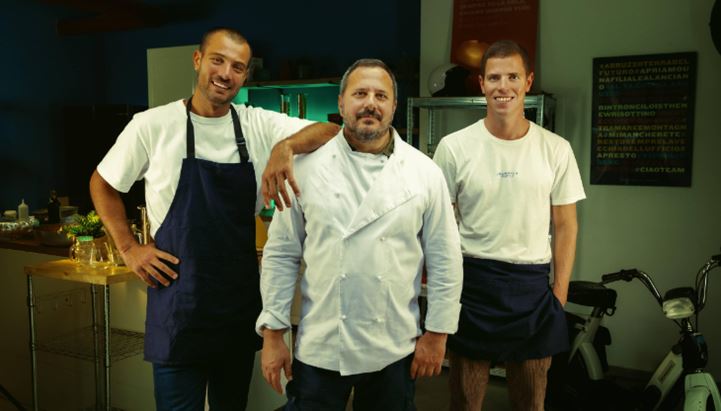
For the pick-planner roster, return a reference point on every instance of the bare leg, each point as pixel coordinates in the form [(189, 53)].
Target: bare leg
[(468, 380), (527, 383)]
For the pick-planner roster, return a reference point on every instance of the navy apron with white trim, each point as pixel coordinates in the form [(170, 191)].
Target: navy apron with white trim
[(208, 313), (508, 313)]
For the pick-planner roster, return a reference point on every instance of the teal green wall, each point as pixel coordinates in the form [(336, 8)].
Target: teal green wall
[(666, 231), (320, 101)]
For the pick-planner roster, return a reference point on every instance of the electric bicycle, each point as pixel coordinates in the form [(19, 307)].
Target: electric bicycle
[(577, 379)]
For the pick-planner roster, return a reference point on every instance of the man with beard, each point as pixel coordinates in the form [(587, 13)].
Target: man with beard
[(510, 180), (201, 159), (373, 210)]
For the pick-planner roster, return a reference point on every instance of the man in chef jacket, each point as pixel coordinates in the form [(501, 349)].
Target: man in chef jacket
[(373, 211)]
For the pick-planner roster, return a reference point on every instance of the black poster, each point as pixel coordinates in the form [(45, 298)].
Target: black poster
[(642, 120)]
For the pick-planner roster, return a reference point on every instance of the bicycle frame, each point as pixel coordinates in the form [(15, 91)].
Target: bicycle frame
[(698, 387), (687, 358), (583, 345), (666, 375)]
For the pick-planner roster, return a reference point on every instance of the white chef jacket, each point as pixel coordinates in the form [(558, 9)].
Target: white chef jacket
[(364, 254)]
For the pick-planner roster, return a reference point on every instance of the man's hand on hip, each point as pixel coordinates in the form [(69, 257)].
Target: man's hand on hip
[(147, 262), (428, 357)]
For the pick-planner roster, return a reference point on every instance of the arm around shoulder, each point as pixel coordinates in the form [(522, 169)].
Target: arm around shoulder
[(311, 137), (280, 164)]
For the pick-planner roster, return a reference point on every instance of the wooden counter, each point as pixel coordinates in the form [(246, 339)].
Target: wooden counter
[(101, 274), (33, 246)]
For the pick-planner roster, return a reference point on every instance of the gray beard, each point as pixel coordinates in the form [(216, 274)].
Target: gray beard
[(368, 135)]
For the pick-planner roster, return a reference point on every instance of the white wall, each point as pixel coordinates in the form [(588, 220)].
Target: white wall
[(666, 231)]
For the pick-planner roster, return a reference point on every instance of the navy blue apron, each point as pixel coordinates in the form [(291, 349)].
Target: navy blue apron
[(209, 312), (508, 313)]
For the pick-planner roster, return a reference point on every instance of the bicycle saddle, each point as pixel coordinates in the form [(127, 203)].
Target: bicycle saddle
[(591, 294)]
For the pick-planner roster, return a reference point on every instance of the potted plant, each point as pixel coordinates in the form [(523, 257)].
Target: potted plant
[(88, 225)]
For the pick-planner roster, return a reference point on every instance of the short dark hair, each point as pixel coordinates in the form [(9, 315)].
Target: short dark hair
[(505, 48), (368, 63), (230, 32)]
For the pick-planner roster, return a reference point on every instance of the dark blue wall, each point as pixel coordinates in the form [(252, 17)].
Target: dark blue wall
[(44, 71), (278, 31), (40, 71)]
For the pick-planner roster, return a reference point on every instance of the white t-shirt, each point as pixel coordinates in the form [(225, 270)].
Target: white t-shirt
[(153, 145), (504, 190)]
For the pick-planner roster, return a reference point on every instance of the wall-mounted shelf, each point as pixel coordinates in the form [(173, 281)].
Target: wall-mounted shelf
[(321, 96), (538, 108), (290, 84)]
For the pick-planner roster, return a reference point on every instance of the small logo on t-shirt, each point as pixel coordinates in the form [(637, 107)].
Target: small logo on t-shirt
[(507, 174)]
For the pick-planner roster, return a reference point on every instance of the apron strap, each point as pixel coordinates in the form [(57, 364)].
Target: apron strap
[(189, 133), (239, 139)]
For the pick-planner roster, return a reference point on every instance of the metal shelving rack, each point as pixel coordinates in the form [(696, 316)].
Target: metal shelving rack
[(539, 108), (80, 344), (98, 342)]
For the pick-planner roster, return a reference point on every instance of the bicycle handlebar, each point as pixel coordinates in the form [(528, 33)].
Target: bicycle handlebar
[(702, 280), (630, 274), (625, 275)]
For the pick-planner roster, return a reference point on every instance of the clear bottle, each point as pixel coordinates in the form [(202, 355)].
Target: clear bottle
[(23, 211)]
